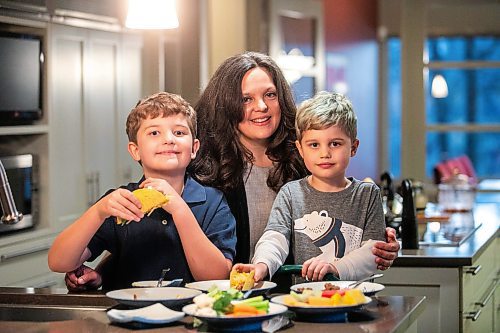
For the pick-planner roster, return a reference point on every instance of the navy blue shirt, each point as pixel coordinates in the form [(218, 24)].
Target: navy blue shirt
[(141, 250)]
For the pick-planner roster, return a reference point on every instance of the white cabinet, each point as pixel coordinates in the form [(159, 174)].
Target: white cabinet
[(24, 264), (458, 299), (95, 81)]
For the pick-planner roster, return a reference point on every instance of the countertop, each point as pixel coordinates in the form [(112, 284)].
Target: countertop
[(486, 217), (87, 313)]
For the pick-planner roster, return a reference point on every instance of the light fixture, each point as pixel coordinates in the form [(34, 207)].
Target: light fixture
[(294, 64), (439, 88), (151, 14)]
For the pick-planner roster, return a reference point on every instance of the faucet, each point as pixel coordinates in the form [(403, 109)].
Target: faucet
[(10, 213)]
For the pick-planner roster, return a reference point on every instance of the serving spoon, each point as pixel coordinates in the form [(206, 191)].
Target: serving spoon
[(371, 277), (162, 276)]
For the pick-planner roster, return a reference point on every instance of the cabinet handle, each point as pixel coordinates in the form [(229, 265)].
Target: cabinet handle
[(474, 315), (488, 296), (97, 185), (23, 252), (474, 270), (89, 190)]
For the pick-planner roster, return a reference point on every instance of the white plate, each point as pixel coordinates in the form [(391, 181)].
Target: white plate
[(224, 285), (153, 314), (139, 297), (240, 323), (368, 288), (149, 284), (319, 310)]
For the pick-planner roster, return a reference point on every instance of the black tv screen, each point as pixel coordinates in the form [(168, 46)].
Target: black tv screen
[(21, 69)]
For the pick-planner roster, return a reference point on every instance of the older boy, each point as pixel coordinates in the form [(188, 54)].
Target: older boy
[(193, 234), (331, 220)]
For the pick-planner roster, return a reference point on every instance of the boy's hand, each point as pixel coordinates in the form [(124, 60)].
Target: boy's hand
[(260, 269), (386, 252), (175, 200), (83, 278), (120, 203), (315, 269)]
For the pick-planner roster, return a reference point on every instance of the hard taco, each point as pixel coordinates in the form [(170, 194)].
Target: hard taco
[(150, 200)]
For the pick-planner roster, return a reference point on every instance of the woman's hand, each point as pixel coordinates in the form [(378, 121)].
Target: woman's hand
[(315, 269), (386, 252), (83, 278), (260, 268)]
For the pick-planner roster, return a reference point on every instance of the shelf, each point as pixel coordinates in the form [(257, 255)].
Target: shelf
[(24, 130)]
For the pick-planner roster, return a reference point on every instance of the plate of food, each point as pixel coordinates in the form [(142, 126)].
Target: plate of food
[(154, 283), (317, 306), (368, 288), (226, 311), (172, 297), (258, 288), (242, 281)]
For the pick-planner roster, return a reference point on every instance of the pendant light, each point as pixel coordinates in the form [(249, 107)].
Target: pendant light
[(151, 14), (439, 88)]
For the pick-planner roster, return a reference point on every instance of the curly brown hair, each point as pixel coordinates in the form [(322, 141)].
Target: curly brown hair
[(222, 158), (162, 104)]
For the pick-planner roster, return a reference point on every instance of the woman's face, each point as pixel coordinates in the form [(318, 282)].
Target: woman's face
[(261, 108)]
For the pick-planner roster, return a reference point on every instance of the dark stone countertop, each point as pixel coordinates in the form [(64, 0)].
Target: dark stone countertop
[(485, 217), (54, 310)]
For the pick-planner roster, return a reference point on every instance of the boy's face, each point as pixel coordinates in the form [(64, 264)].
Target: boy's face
[(164, 144), (326, 153)]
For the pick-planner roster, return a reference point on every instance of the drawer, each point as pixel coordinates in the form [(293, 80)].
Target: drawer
[(23, 261), (51, 279), (480, 319), (476, 279)]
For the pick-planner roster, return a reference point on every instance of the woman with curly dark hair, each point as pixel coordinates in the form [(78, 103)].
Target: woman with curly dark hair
[(246, 118), (246, 124)]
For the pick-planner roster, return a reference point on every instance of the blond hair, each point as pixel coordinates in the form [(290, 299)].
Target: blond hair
[(326, 109)]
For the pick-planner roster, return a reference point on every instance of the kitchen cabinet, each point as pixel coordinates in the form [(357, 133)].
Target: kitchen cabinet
[(92, 80), (96, 81), (460, 283), (24, 264)]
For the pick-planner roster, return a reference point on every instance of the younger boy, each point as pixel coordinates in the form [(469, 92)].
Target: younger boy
[(193, 234), (332, 221)]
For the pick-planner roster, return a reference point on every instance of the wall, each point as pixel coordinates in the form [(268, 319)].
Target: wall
[(226, 30), (352, 56)]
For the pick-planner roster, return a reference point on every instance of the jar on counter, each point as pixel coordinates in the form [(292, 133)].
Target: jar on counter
[(457, 194)]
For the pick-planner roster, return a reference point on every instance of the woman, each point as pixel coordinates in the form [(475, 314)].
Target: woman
[(246, 124)]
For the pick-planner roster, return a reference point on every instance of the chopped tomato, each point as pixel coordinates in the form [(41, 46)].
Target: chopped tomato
[(330, 293)]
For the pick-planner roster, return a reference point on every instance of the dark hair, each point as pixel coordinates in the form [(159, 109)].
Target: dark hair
[(162, 104), (221, 159)]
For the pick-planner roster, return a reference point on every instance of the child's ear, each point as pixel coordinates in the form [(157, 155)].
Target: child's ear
[(196, 147), (133, 150), (299, 147), (354, 147)]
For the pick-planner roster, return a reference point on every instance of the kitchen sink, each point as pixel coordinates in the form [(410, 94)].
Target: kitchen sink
[(36, 313)]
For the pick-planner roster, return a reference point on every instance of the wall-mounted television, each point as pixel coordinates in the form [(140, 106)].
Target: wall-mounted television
[(21, 78)]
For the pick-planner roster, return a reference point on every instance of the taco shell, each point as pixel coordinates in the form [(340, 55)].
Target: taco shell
[(150, 200), (242, 281)]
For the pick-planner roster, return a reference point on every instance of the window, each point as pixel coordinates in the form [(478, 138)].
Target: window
[(463, 120)]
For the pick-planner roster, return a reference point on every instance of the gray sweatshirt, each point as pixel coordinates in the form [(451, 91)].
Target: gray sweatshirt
[(339, 227)]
